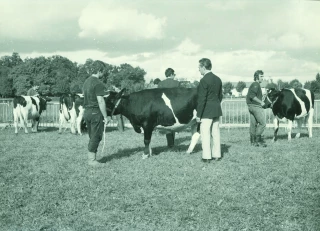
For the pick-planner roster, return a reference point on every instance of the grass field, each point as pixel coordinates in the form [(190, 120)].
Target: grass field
[(46, 184)]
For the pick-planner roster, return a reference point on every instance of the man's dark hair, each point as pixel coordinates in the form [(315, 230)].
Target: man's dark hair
[(156, 81), (97, 66), (256, 74), (205, 63), (169, 72)]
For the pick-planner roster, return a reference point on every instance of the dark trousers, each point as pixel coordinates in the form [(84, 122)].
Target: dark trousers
[(95, 125), (257, 120), (170, 139)]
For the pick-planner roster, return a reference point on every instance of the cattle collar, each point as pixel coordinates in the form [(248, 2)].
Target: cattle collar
[(272, 103), (115, 107)]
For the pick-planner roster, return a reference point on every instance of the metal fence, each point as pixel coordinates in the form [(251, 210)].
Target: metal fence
[(235, 114)]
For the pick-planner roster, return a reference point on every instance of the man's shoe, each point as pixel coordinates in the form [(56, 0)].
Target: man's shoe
[(206, 160), (260, 142)]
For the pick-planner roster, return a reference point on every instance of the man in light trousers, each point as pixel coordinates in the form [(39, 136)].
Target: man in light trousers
[(209, 111)]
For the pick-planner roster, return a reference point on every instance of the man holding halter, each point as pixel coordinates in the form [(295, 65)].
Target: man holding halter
[(95, 113), (257, 116)]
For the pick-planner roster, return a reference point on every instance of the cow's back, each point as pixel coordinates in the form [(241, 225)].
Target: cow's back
[(293, 103), (164, 105)]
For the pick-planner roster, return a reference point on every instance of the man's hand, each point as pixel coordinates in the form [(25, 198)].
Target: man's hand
[(106, 120), (198, 119), (262, 103)]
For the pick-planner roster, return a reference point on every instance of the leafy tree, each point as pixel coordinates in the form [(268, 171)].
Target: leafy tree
[(126, 76), (282, 84), (6, 64), (240, 86), (272, 85), (318, 77), (11, 61), (196, 83), (295, 83), (5, 82), (227, 88), (62, 73), (315, 86), (307, 85)]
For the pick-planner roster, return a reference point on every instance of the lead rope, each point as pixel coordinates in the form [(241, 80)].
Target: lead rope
[(106, 123), (104, 135)]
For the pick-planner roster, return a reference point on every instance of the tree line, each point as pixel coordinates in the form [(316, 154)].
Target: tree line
[(57, 75), (313, 85)]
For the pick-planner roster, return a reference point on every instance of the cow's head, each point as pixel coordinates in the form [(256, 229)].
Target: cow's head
[(43, 102), (113, 100), (270, 98)]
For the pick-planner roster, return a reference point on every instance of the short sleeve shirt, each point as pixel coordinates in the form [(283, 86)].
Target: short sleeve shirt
[(254, 91), (92, 88)]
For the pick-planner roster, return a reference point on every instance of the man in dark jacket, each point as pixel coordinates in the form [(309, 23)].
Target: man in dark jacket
[(257, 115), (209, 111), (169, 82)]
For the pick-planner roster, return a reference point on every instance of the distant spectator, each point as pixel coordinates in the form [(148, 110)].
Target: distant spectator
[(156, 82), (33, 90), (170, 82)]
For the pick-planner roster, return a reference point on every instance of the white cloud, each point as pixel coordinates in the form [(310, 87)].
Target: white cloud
[(106, 18), (36, 20), (226, 5), (187, 47)]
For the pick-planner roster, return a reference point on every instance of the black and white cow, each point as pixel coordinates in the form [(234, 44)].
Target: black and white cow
[(288, 105), (28, 107), (167, 109), (71, 109)]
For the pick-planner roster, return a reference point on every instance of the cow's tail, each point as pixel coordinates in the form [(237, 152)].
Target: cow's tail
[(312, 99)]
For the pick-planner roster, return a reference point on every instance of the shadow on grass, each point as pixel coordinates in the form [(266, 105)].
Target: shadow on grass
[(285, 136), (180, 148)]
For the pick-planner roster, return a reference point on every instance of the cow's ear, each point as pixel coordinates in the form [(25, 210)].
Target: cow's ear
[(107, 93), (121, 92)]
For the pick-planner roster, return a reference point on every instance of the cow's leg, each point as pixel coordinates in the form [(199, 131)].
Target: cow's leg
[(299, 123), (276, 128), (16, 119), (289, 129), (195, 135), (36, 124), (310, 122), (24, 120), (147, 139), (79, 120), (62, 121), (33, 128)]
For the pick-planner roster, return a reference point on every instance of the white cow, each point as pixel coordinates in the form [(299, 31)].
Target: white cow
[(28, 107), (71, 109)]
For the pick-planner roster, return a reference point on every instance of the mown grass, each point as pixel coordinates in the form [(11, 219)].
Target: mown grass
[(46, 184)]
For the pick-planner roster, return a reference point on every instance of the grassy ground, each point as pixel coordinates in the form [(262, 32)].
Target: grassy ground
[(46, 184)]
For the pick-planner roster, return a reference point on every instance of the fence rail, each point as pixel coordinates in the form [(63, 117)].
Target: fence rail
[(235, 114)]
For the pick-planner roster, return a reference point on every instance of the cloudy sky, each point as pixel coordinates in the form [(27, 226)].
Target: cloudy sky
[(280, 37)]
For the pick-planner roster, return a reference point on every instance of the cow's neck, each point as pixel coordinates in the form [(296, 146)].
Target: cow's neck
[(123, 108)]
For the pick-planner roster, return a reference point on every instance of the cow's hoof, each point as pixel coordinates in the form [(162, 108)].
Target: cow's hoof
[(144, 156)]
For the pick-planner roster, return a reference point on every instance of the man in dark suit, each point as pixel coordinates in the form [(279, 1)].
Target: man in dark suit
[(209, 111), (169, 82)]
